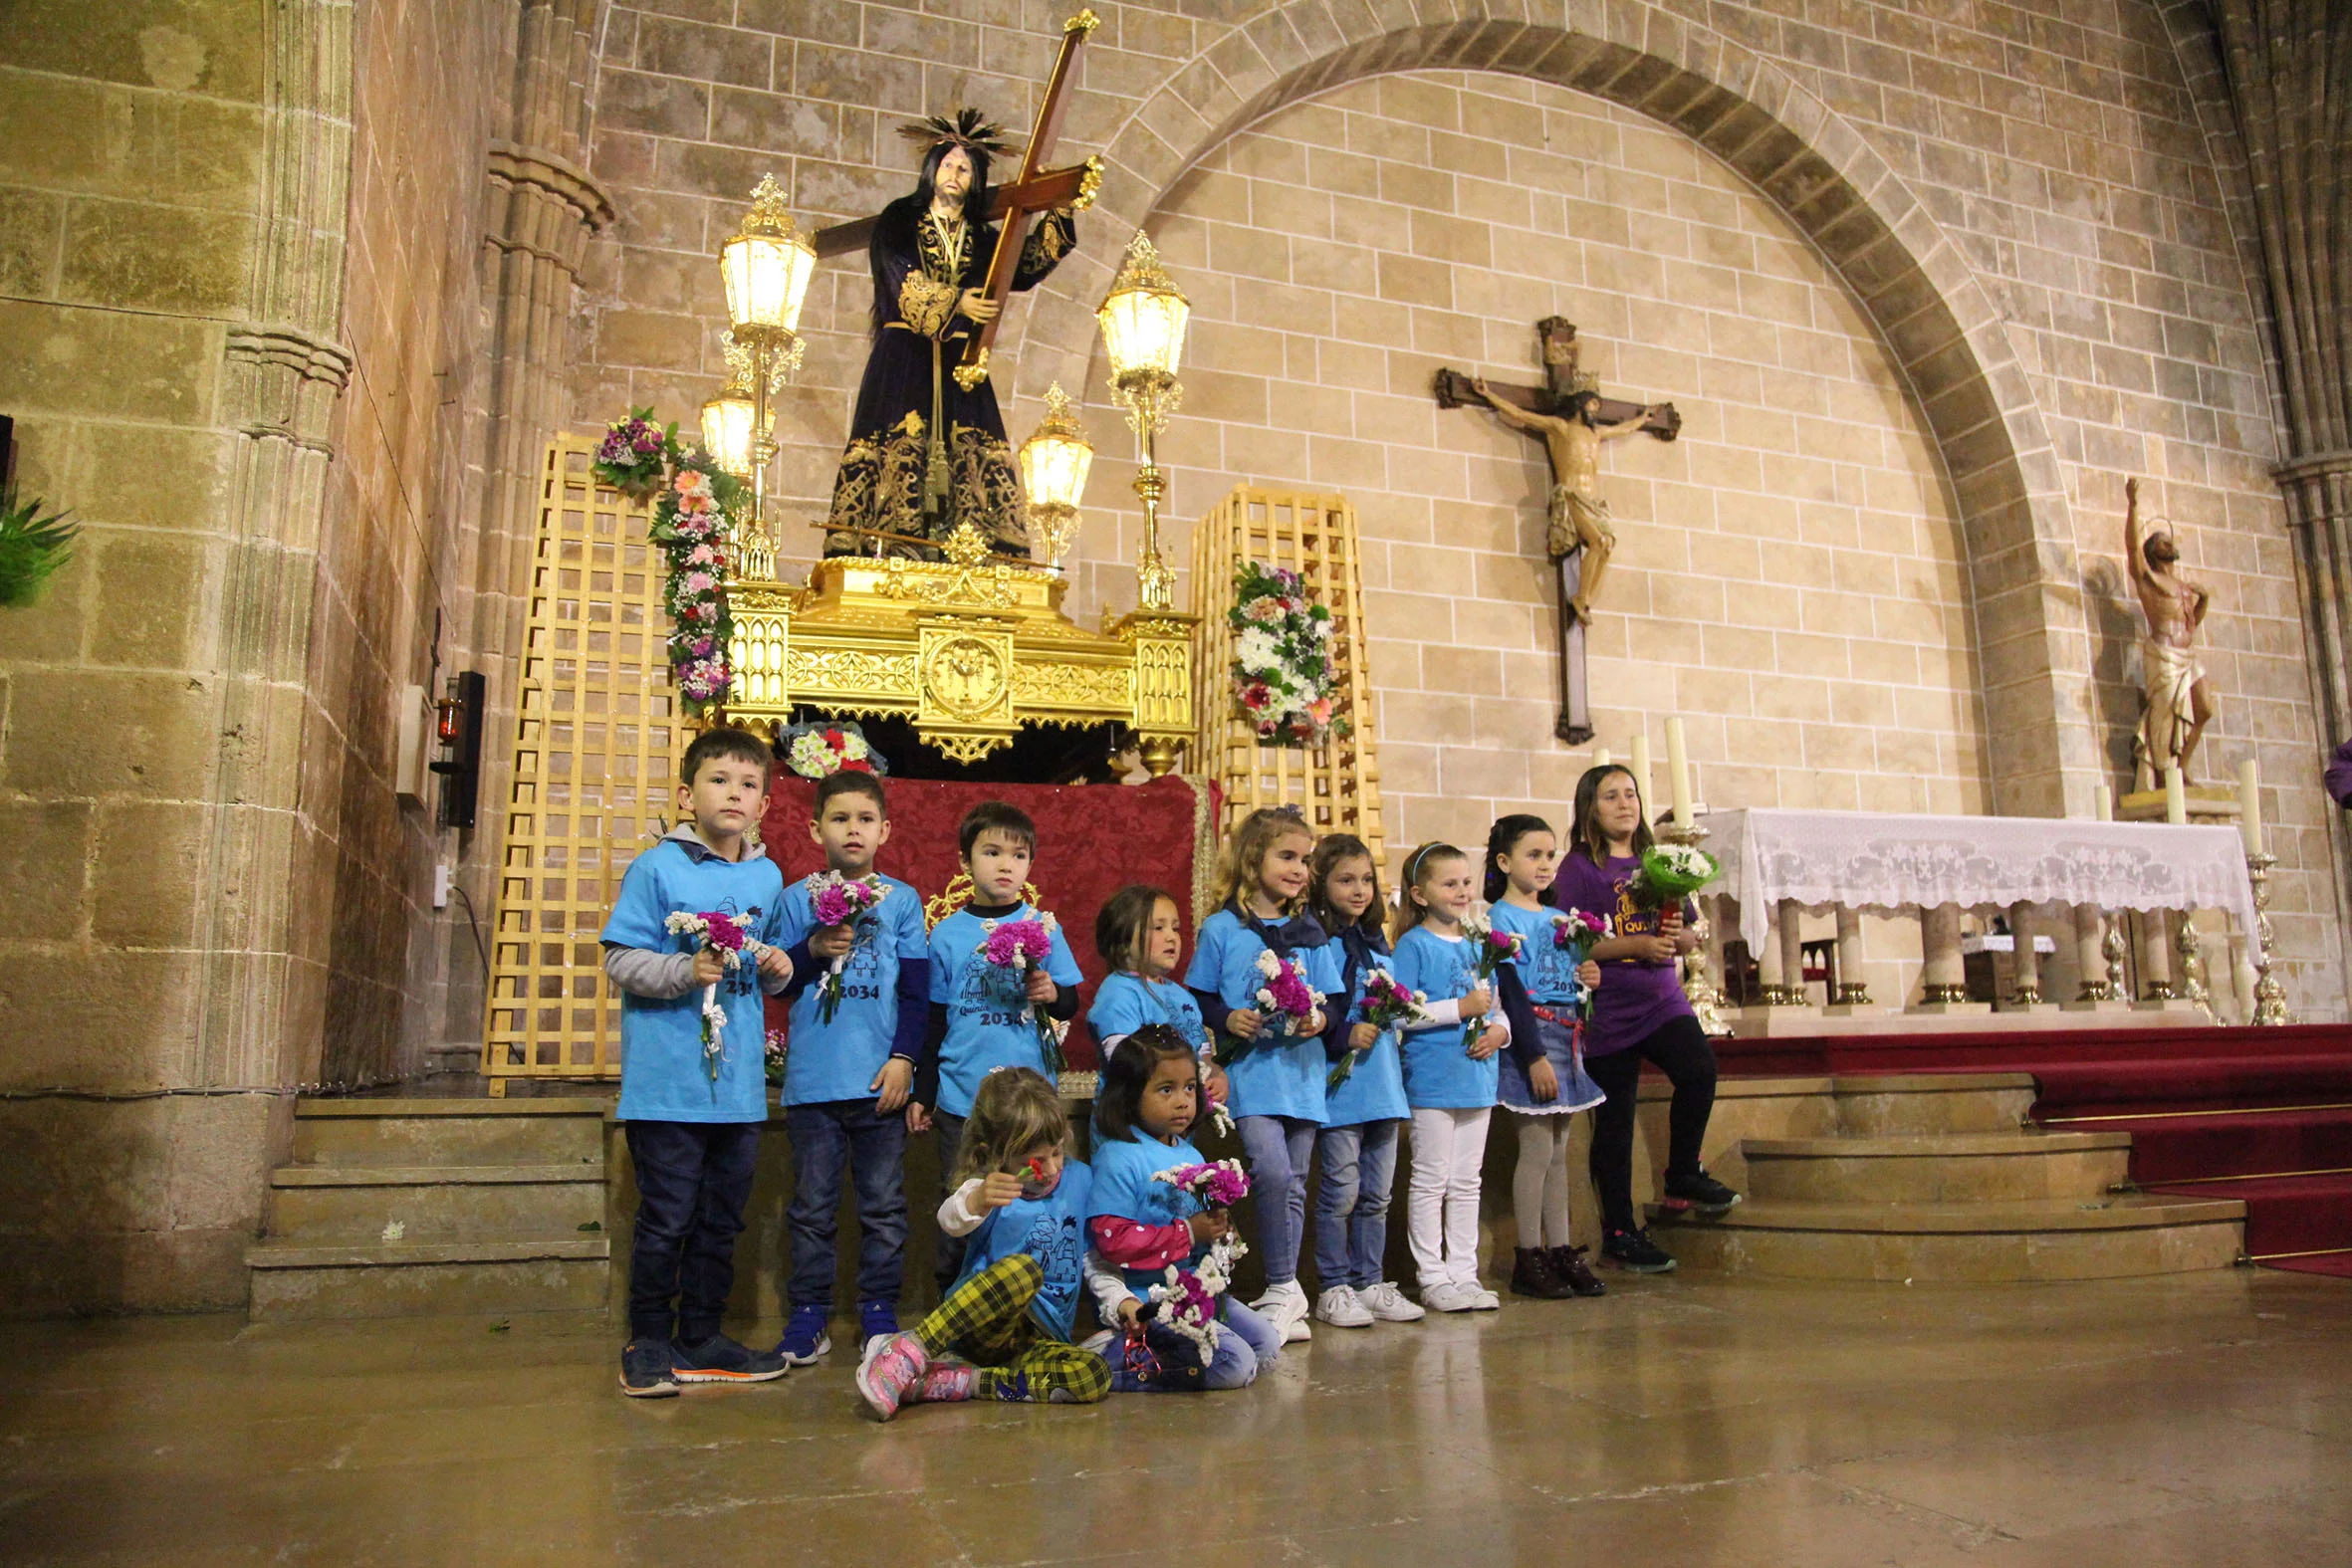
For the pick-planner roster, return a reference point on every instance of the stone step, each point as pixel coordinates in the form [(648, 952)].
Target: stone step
[(1949, 1168), (1900, 1104), (467, 1132), (1987, 1242), (427, 1280), (359, 1204)]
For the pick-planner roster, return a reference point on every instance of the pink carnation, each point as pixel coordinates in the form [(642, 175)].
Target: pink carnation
[(1016, 943)]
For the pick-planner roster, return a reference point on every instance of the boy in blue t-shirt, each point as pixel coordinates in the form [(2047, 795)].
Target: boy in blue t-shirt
[(693, 1120), (847, 1079), (982, 1014)]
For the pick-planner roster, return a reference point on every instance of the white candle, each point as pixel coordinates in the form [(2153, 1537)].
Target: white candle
[(1600, 756), (1677, 772), (2250, 805), (1641, 770), (2176, 797), (2102, 803)]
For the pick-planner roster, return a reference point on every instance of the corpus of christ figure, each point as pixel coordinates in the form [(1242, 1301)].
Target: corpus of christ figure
[(1573, 419), (2179, 702)]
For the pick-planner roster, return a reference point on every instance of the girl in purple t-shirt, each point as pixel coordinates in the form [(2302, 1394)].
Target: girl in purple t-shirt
[(1639, 1013)]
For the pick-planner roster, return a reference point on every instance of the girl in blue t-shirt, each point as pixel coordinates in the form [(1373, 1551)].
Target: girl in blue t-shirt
[(1274, 1065), (1542, 1079), (1449, 1079), (1003, 1332), (1358, 1145), (1140, 1227), (1140, 936)]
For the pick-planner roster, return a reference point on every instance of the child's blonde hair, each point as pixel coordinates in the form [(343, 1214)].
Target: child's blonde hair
[(1246, 851), (1417, 866), (1016, 1112)]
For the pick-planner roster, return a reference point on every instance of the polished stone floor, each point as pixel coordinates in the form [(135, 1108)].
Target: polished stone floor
[(2201, 1421)]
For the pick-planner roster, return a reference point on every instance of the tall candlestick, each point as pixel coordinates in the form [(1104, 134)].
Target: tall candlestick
[(1677, 772), (1600, 756), (2102, 803), (2250, 805), (1641, 770), (2176, 797)]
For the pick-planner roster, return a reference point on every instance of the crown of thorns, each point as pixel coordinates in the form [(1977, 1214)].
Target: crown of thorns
[(969, 129)]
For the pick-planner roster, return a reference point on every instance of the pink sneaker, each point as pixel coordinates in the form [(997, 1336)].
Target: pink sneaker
[(945, 1383), (891, 1369)]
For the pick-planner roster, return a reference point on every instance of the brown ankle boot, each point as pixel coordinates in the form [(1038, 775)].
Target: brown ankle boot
[(1571, 1269), (1531, 1275)]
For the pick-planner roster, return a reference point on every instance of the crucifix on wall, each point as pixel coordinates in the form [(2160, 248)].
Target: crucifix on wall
[(1571, 418)]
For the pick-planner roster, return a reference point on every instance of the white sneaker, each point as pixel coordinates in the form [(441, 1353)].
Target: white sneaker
[(1447, 1297), (1389, 1304), (1340, 1307), (1284, 1306), (1482, 1299)]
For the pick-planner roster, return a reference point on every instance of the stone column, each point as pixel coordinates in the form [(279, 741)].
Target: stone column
[(1943, 975), (1852, 991), (2024, 961), (1790, 930)]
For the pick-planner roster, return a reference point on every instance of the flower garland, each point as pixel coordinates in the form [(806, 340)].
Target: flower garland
[(1282, 680), (696, 509)]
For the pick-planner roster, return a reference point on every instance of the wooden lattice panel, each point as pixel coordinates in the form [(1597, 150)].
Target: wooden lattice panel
[(594, 740), (1336, 784)]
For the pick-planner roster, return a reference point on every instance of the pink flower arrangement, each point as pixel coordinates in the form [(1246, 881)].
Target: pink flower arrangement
[(1019, 945), (1287, 1002), (1387, 1004), (1218, 1183), (723, 934), (837, 900)]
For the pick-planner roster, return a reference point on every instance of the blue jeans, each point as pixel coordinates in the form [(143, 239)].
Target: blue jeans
[(827, 1140), (1245, 1345), (1278, 1149), (693, 1178), (1351, 1206)]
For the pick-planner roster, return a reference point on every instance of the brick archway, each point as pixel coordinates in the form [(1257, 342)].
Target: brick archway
[(1937, 322)]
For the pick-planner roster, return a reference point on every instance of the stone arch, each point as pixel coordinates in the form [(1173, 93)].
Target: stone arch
[(1937, 320)]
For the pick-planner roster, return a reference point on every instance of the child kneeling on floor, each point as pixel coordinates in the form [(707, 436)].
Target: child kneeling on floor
[(1003, 1332)]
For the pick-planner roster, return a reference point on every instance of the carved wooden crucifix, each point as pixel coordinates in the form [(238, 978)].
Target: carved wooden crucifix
[(1571, 418), (1011, 204)]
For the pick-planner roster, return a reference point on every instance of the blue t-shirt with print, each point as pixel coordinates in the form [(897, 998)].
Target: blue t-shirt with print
[(1375, 1087), (1439, 1073), (1052, 1230), (1127, 1001), (1282, 1073), (838, 1061), (1544, 968), (1124, 1190), (989, 1023), (662, 1075)]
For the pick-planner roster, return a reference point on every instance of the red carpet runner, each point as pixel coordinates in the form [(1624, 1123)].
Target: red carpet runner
[(1092, 840), (2263, 1115)]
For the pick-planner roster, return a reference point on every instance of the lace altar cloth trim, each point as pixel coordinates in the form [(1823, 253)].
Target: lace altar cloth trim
[(1892, 864)]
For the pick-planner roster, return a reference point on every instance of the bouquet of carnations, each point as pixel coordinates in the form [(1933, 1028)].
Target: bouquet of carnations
[(1670, 873), (1218, 1183), (1287, 1002), (726, 935), (838, 900), (1490, 950), (636, 454), (1573, 932), (1019, 945), (815, 751), (1388, 1004), (775, 1061), (1186, 1304)]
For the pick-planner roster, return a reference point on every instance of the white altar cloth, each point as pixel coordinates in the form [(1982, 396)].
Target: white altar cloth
[(1897, 863)]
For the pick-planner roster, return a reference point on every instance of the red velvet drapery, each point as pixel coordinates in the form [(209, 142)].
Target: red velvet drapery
[(1092, 840)]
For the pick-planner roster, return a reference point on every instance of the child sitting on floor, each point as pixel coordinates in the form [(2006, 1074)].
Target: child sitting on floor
[(1003, 1332)]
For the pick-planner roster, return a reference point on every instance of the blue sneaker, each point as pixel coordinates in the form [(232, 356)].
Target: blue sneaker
[(876, 1318), (805, 1341)]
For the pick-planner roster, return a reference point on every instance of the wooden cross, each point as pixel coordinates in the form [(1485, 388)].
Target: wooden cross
[(1034, 190), (1560, 349)]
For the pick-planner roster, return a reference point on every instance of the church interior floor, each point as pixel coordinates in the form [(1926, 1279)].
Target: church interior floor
[(2200, 1418)]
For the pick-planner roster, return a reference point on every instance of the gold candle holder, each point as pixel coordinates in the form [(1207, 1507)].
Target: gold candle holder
[(2270, 1010), (1697, 984)]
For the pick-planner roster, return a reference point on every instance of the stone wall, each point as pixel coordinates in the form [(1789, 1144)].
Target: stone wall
[(1993, 260)]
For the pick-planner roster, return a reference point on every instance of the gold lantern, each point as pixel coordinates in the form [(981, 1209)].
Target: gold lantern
[(1054, 463), (727, 426), (765, 266), (1143, 320)]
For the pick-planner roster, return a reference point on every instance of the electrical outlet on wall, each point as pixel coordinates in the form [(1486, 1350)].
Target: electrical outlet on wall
[(441, 886)]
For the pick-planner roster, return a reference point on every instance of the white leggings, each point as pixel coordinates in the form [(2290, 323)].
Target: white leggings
[(1539, 1182), (1441, 1207)]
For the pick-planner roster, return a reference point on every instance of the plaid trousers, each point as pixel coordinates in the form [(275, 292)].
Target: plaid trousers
[(985, 1320)]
